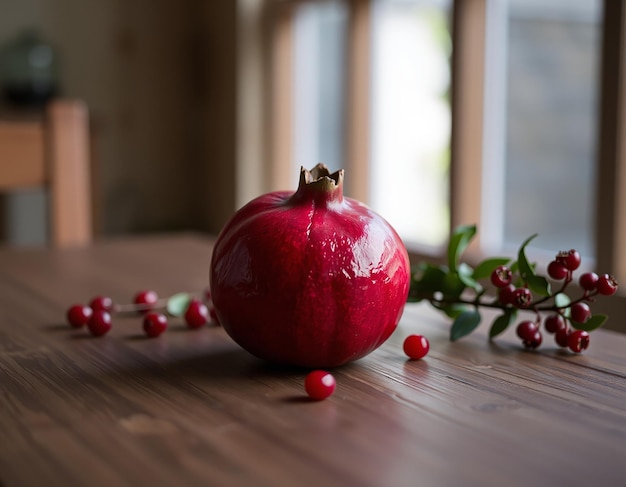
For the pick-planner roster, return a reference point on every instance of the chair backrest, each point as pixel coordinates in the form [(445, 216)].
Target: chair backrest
[(53, 153)]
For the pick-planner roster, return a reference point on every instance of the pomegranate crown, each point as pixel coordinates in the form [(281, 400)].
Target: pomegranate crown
[(321, 175), (320, 185)]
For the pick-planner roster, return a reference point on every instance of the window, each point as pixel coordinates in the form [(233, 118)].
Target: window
[(504, 113), (493, 121), (410, 118), (540, 124), (319, 74), (408, 113)]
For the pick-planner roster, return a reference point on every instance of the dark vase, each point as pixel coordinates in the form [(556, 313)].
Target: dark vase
[(28, 71)]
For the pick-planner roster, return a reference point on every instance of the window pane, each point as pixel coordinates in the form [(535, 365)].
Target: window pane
[(552, 84), (411, 118), (319, 107)]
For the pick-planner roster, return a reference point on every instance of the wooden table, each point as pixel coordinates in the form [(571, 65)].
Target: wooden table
[(192, 408)]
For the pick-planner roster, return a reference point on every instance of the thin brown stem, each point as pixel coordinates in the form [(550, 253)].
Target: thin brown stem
[(478, 302), (159, 305)]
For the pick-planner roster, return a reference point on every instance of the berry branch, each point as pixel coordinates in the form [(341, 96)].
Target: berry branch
[(195, 308), (459, 291)]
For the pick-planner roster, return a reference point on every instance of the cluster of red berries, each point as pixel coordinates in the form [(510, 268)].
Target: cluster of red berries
[(97, 316), (559, 320), (564, 336)]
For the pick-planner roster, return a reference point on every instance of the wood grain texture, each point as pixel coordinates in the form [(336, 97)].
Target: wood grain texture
[(192, 408)]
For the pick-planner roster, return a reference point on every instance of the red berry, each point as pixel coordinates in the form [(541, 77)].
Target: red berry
[(501, 276), (100, 322), (506, 295), (607, 285), (554, 323), (578, 340), (146, 300), (534, 341), (522, 297), (580, 312), (154, 324), (588, 281), (197, 314), (557, 270), (569, 258), (561, 336), (78, 315), (526, 330), (101, 303), (319, 384), (416, 346)]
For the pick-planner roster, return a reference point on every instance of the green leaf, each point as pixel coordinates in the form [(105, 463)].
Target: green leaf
[(452, 287), (177, 304), (451, 310), (486, 267), (464, 324), (563, 301), (428, 278), (459, 241), (596, 321), (538, 285), (465, 272), (502, 322), (525, 269)]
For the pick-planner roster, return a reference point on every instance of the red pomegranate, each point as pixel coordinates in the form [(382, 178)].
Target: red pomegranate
[(310, 278)]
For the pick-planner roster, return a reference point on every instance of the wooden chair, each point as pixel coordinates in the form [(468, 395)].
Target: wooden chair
[(52, 152)]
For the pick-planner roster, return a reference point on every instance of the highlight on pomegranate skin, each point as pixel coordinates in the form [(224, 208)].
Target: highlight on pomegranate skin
[(309, 278)]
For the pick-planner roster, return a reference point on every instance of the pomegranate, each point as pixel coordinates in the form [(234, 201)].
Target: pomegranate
[(310, 278)]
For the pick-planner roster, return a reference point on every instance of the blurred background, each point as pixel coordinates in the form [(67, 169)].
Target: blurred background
[(142, 68), (196, 106)]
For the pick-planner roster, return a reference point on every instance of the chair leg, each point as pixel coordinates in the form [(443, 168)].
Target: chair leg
[(69, 173)]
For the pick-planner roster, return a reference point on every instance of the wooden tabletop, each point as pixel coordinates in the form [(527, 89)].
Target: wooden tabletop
[(192, 408)]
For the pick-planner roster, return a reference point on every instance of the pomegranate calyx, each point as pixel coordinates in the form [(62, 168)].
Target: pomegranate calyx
[(320, 185)]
